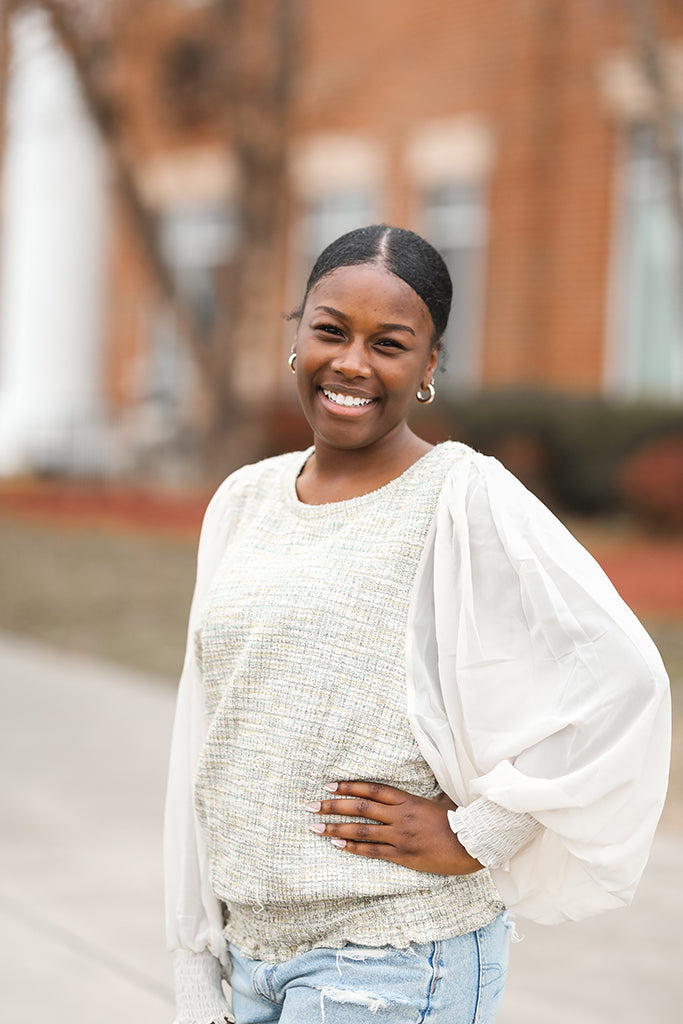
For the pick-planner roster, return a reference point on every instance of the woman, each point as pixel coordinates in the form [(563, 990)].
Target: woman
[(410, 699)]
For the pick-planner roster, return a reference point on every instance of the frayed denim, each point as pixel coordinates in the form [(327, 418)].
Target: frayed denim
[(453, 981)]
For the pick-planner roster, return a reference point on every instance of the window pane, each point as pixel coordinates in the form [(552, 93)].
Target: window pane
[(332, 215), (456, 223), (649, 318), (197, 242)]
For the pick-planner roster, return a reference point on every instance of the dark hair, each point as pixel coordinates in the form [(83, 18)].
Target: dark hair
[(403, 253)]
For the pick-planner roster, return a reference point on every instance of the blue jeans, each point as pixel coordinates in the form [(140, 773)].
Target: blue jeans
[(453, 981)]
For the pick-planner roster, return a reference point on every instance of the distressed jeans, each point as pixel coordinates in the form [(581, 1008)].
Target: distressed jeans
[(453, 981)]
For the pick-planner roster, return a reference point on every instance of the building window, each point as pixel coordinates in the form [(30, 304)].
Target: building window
[(455, 222), (198, 242), (330, 215), (646, 356)]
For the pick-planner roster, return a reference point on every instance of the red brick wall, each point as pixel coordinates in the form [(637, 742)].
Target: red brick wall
[(383, 67)]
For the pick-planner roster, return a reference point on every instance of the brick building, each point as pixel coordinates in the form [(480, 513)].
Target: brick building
[(521, 138)]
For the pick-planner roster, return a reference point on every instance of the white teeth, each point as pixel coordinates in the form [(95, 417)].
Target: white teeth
[(345, 399)]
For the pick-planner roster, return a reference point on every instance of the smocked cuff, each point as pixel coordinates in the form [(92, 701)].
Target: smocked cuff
[(200, 998), (490, 833)]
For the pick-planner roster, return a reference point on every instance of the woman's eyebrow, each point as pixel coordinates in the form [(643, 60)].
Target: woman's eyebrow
[(333, 312), (397, 327), (383, 327)]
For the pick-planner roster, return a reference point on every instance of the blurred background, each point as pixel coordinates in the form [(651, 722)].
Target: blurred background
[(171, 168)]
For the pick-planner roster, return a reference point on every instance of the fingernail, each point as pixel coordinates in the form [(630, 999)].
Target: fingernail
[(317, 828), (331, 787), (341, 843), (313, 806)]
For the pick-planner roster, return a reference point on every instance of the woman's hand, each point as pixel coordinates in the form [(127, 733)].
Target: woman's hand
[(405, 829)]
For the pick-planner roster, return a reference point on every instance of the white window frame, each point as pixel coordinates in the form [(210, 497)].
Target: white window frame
[(643, 217), (459, 230)]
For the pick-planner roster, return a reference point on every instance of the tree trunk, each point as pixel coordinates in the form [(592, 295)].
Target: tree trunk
[(240, 368), (7, 8), (141, 217), (260, 44)]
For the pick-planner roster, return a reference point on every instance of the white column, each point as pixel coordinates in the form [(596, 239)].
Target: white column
[(52, 263)]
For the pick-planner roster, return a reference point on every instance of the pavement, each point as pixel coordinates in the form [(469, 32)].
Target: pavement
[(83, 755)]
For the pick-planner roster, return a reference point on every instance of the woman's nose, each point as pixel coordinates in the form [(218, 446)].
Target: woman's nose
[(352, 361)]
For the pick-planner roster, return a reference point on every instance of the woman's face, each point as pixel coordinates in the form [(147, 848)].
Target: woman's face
[(363, 348)]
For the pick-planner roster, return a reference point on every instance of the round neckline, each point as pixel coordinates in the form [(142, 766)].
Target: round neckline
[(348, 503)]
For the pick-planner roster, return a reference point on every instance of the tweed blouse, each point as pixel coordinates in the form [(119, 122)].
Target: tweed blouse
[(302, 654)]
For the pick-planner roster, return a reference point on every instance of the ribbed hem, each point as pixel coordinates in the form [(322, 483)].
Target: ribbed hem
[(276, 933)]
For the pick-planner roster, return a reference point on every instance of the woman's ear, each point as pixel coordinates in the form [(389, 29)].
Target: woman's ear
[(430, 368)]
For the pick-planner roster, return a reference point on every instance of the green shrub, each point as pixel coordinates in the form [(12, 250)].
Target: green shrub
[(568, 449), (651, 481)]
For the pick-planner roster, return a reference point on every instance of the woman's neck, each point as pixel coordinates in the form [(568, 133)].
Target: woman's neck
[(334, 474)]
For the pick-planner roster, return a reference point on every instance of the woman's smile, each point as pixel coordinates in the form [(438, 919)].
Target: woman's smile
[(344, 401)]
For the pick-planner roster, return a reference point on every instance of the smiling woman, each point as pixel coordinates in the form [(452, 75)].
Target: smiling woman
[(364, 349), (410, 699)]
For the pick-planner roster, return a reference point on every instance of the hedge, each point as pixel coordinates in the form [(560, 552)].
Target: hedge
[(568, 449)]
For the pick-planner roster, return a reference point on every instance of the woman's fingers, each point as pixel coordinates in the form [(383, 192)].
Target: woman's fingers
[(357, 831), (351, 808), (377, 851), (378, 792), (370, 800)]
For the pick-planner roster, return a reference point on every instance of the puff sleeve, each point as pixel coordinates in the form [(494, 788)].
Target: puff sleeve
[(532, 685), (194, 922)]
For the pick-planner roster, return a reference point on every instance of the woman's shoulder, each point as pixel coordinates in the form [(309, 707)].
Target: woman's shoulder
[(479, 487), (466, 464), (451, 452), (256, 480), (455, 460)]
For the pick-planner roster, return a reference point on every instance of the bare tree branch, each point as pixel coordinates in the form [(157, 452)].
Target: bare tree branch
[(142, 218), (259, 46)]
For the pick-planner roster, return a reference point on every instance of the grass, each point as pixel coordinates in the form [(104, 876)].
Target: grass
[(120, 596)]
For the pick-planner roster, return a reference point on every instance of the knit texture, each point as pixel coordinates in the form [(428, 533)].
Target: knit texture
[(302, 649), (490, 833), (200, 998)]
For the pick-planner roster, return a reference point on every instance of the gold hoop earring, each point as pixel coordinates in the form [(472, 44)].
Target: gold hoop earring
[(430, 396), (291, 361)]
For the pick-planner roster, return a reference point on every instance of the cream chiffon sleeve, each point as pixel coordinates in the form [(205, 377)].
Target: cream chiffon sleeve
[(532, 685), (194, 923)]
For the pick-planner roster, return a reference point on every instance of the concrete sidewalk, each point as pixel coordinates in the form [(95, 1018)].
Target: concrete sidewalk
[(83, 752)]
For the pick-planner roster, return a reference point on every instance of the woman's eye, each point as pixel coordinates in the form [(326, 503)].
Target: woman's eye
[(329, 329), (390, 343)]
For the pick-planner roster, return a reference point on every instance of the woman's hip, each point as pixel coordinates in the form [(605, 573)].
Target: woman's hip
[(451, 981)]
